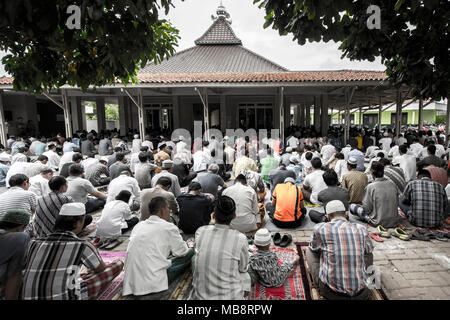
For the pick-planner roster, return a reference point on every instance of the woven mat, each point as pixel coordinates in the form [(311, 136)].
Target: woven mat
[(310, 286), (292, 289), (114, 290)]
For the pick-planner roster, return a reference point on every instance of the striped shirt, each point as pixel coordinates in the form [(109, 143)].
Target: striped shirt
[(47, 211), (271, 274), (53, 267), (343, 245), (17, 198), (95, 172), (221, 263), (428, 203), (397, 176)]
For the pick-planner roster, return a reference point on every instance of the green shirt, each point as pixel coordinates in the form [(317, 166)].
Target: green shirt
[(267, 164)]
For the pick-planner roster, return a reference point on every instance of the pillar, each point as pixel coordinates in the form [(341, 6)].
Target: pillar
[(421, 114), (101, 116), (301, 110), (447, 126), (380, 112), (176, 111), (287, 112), (398, 114), (67, 117), (123, 114), (3, 138), (324, 115), (223, 112), (307, 114), (317, 113), (360, 118)]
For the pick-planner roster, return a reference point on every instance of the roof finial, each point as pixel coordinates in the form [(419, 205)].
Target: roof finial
[(221, 13)]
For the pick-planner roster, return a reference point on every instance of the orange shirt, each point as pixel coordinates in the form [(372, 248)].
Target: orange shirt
[(288, 199)]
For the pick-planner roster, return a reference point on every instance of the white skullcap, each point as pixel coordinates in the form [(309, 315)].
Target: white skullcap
[(4, 157), (73, 209), (181, 138), (334, 206), (226, 138), (262, 237), (352, 160), (136, 136), (104, 159), (289, 179), (289, 149)]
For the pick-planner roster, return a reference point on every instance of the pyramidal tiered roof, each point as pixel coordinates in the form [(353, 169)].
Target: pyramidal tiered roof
[(218, 50)]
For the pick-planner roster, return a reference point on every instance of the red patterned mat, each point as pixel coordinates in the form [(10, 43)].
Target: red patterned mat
[(293, 288), (114, 291)]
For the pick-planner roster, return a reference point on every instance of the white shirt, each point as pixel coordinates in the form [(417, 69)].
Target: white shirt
[(124, 182), (134, 161), (112, 220), (293, 142), (327, 152), (341, 168), (16, 168), (345, 152), (416, 148), (401, 141), (315, 181), (408, 164), (136, 147), (229, 154), (53, 159), (89, 162), (394, 152), (8, 155), (246, 207), (66, 158), (19, 157), (39, 186), (181, 146), (148, 143), (201, 160), (440, 151), (386, 142), (146, 263)]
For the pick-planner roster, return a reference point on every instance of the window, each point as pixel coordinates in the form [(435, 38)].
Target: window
[(255, 116)]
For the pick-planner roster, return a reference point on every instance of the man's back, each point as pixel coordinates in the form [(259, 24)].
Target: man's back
[(278, 176), (174, 188), (221, 262), (355, 182), (334, 193), (381, 202), (195, 211), (117, 168), (246, 206), (210, 182)]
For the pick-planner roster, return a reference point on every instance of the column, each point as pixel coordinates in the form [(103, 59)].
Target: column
[(421, 114), (123, 121), (287, 112), (307, 114), (302, 107), (101, 117), (380, 112), (447, 126), (223, 112), (360, 118), (398, 114), (3, 137), (176, 111), (317, 113), (324, 115), (77, 115), (66, 109)]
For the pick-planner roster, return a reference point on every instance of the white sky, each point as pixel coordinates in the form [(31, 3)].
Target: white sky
[(193, 18)]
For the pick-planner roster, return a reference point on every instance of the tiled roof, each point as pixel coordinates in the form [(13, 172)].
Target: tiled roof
[(220, 32), (214, 59), (272, 77), (259, 77)]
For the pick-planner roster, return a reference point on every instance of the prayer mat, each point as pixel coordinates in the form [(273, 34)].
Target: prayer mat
[(114, 290), (312, 291), (292, 289), (307, 224)]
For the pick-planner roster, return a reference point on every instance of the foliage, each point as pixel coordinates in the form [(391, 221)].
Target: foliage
[(116, 38), (413, 41), (111, 111)]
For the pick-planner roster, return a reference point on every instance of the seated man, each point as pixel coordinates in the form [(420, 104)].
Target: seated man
[(39, 184), (354, 181), (167, 167), (286, 209), (79, 188), (14, 244), (210, 181), (143, 171), (98, 173), (339, 254), (125, 182), (160, 190), (313, 183), (52, 272), (181, 169), (279, 175), (424, 202), (229, 279), (380, 202), (18, 196), (119, 166), (195, 209), (76, 158), (247, 210), (156, 254), (116, 217)]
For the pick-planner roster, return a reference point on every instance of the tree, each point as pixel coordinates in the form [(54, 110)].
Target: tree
[(112, 111), (115, 38), (413, 41)]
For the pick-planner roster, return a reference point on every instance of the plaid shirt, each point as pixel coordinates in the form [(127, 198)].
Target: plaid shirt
[(343, 245), (428, 203), (53, 266)]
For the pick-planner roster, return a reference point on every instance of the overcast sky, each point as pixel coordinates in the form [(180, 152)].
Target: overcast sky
[(193, 18)]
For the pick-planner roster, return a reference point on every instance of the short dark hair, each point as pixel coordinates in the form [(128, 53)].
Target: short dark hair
[(51, 146), (308, 156), (23, 149), (424, 173), (77, 157), (385, 162), (120, 156), (241, 178), (330, 178), (67, 223), (194, 186), (76, 169), (377, 169), (157, 204), (224, 210), (380, 154), (340, 156), (403, 148), (118, 149), (57, 182), (17, 180), (143, 157), (42, 158), (316, 163), (46, 171), (124, 196), (165, 182), (431, 149), (144, 148)]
